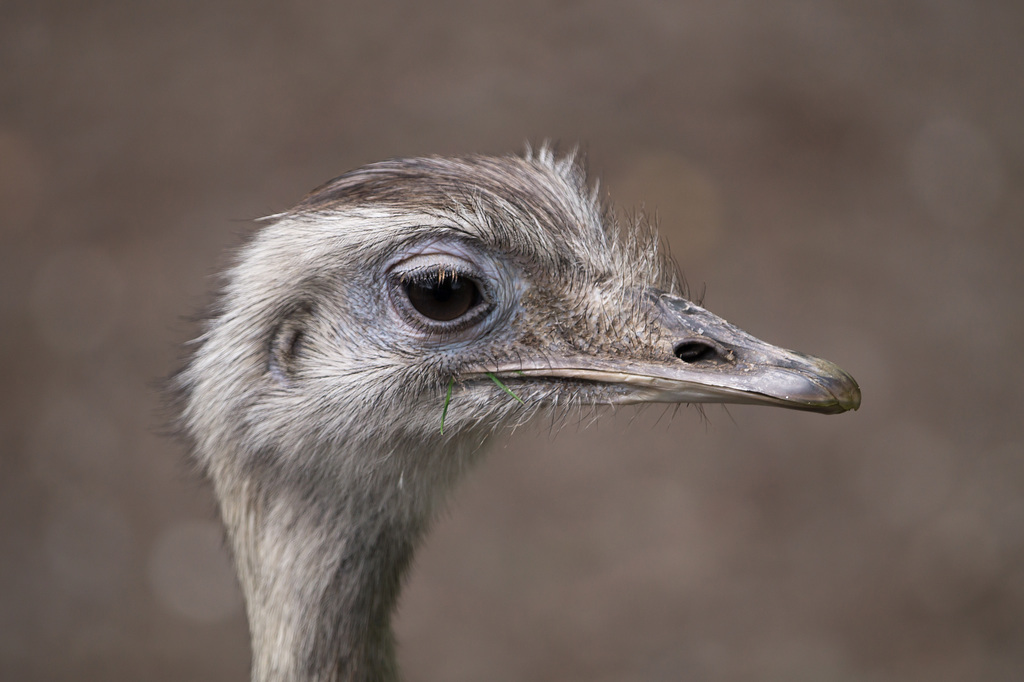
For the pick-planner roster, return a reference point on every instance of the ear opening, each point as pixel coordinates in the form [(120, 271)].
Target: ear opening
[(288, 342)]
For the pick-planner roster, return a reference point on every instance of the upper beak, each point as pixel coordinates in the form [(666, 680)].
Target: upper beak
[(711, 361)]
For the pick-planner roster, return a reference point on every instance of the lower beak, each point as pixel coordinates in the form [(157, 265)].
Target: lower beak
[(709, 361)]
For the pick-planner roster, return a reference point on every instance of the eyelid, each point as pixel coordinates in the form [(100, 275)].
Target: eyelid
[(433, 270), (429, 259), (443, 271), (431, 262)]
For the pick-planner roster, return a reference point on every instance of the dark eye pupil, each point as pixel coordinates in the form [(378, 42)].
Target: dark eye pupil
[(443, 297)]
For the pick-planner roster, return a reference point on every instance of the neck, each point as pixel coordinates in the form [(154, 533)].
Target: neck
[(319, 586), (321, 560)]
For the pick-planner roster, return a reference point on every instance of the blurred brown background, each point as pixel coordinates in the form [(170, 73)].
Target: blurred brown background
[(846, 178)]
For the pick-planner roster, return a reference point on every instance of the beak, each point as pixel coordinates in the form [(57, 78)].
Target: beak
[(711, 361)]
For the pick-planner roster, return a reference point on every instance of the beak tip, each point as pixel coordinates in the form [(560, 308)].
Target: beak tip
[(853, 399), (846, 393)]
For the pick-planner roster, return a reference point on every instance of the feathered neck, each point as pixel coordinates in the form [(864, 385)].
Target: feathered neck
[(321, 555)]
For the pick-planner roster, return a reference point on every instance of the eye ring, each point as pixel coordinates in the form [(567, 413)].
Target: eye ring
[(441, 297)]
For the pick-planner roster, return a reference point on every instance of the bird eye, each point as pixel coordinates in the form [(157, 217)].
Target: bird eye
[(442, 296)]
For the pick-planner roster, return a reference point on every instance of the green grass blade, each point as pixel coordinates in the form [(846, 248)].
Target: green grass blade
[(447, 399), (505, 388)]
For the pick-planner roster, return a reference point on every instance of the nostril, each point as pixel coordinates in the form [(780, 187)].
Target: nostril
[(695, 351)]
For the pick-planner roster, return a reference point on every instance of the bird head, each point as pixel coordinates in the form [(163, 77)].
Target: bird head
[(423, 301)]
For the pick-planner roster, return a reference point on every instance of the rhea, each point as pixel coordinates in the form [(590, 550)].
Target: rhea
[(368, 343)]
